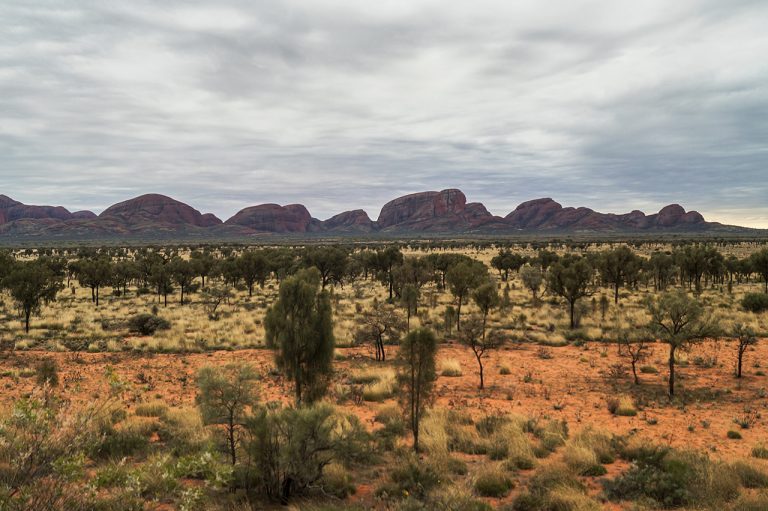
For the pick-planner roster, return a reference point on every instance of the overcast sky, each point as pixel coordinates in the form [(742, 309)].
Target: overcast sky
[(614, 105)]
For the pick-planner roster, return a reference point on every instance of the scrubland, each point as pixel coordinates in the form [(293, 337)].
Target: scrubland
[(110, 419)]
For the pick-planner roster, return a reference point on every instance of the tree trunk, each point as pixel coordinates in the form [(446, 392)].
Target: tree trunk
[(458, 316), (634, 372), (671, 371), (573, 307), (616, 294), (738, 369)]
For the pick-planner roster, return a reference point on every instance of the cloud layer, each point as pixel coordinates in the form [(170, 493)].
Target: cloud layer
[(616, 105)]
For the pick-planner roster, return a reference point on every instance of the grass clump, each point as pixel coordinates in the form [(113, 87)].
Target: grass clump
[(493, 482), (450, 368), (760, 451), (153, 409)]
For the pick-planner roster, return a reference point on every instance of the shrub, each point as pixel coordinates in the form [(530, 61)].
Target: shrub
[(154, 409), (649, 370), (675, 479), (755, 302), (493, 483), (751, 503), (336, 481), (733, 435), (147, 324), (760, 451), (450, 367), (291, 447), (750, 476), (47, 372), (582, 460), (411, 478)]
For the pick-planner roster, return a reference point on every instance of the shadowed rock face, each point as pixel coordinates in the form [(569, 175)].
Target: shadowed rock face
[(11, 210), (350, 221), (274, 218), (154, 208), (546, 214)]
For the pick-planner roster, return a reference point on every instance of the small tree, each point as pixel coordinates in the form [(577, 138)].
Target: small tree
[(252, 267), (746, 337), (213, 297), (300, 327), (462, 278), (224, 397), (532, 278), (571, 278), (31, 284), (679, 321), (473, 336), (409, 299), (417, 376), (634, 350), (759, 262), (486, 297), (380, 322), (617, 267), (183, 273)]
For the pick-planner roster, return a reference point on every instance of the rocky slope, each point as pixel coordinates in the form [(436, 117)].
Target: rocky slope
[(433, 212)]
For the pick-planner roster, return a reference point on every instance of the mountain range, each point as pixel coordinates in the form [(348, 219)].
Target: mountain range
[(443, 212)]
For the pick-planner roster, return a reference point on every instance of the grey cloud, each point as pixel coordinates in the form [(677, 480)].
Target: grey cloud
[(341, 104)]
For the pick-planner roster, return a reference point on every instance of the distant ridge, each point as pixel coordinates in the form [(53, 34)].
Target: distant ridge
[(432, 212)]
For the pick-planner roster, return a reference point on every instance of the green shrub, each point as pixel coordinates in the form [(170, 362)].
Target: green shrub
[(649, 370), (493, 483), (411, 478), (733, 435), (750, 476), (755, 302), (760, 451), (147, 324), (675, 479), (337, 481)]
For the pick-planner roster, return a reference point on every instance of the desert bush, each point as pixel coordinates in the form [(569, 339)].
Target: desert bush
[(153, 409), (760, 451), (410, 477), (493, 482), (337, 481), (147, 324), (450, 367), (47, 372), (672, 479), (749, 475), (552, 435), (553, 487), (755, 302), (289, 449), (751, 503), (127, 439), (43, 447), (582, 460)]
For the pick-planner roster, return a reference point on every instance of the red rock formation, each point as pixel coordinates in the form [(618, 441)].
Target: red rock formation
[(350, 221), (442, 211), (274, 218), (11, 210), (151, 209)]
